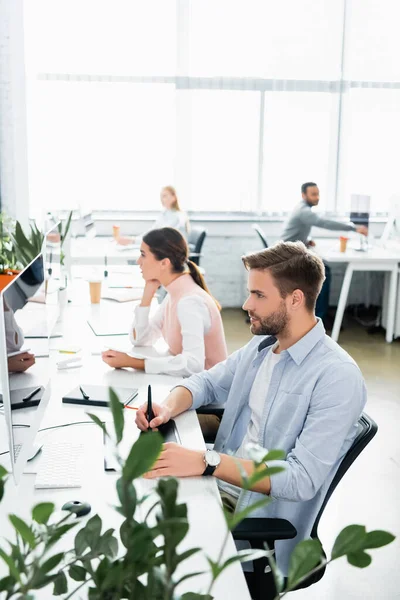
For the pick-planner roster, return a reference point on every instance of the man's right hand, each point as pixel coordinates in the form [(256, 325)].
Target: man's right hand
[(362, 229), (162, 415)]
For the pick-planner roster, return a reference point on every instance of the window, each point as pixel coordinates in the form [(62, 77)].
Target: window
[(235, 102), (371, 148), (297, 143), (101, 145), (220, 148)]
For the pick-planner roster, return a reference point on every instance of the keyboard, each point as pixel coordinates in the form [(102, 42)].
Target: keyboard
[(60, 466)]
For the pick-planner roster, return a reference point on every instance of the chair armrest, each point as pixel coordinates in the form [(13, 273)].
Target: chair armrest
[(264, 530), (211, 409)]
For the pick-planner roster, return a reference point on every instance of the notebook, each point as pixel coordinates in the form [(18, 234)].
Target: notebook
[(99, 395)]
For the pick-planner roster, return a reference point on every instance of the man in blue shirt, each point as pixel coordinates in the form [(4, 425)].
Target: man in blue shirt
[(292, 389)]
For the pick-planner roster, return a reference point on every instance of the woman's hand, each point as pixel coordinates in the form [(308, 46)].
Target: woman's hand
[(119, 360), (20, 362), (162, 414), (177, 461), (150, 289)]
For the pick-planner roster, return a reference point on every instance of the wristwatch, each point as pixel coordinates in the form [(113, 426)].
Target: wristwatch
[(212, 460)]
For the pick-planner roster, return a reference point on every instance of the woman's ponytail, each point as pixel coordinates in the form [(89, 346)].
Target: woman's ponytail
[(199, 279)]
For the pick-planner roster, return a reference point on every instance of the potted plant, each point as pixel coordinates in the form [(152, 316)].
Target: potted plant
[(8, 258), (27, 247), (142, 563)]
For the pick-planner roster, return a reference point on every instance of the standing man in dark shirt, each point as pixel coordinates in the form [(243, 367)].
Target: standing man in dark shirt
[(298, 227)]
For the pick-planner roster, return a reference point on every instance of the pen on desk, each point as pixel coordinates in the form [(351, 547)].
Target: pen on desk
[(150, 414), (131, 407), (84, 394), (105, 266), (33, 393)]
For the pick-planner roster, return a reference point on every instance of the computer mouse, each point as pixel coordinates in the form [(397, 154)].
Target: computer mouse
[(79, 508)]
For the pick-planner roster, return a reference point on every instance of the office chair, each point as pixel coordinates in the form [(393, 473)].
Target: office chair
[(260, 531), (195, 240), (261, 235)]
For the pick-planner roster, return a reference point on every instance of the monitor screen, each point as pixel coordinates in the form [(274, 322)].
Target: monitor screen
[(27, 305)]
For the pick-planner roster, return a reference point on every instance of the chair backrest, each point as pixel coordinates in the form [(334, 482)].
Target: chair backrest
[(261, 235), (367, 430), (196, 239)]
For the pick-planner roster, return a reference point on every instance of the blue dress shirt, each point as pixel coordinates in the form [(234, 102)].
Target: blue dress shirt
[(315, 398)]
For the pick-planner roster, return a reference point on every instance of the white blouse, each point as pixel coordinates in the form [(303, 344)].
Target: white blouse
[(14, 333), (195, 321)]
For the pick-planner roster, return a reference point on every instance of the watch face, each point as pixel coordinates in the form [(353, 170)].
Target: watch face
[(212, 458)]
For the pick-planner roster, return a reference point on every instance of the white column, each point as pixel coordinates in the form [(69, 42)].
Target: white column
[(13, 127)]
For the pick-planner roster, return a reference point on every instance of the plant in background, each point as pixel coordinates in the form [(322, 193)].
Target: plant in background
[(63, 234), (8, 258), (27, 248), (142, 564)]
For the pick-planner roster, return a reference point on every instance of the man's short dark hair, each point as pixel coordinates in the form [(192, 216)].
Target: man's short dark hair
[(307, 185), (293, 267)]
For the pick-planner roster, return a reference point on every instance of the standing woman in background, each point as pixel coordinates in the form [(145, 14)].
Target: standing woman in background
[(171, 216), (188, 319)]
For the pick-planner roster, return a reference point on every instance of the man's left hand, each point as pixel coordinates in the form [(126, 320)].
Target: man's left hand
[(177, 461)]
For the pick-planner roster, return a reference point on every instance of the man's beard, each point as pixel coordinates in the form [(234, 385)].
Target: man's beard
[(275, 324)]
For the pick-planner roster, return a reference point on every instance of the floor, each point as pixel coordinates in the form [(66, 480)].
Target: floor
[(369, 494)]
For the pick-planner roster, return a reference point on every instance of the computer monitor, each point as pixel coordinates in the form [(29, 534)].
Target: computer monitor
[(392, 227), (24, 380)]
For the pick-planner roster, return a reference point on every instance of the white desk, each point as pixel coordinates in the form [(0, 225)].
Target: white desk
[(98, 250), (374, 259), (207, 524)]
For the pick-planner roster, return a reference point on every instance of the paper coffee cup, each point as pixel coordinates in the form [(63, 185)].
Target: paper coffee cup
[(343, 243), (95, 291), (116, 230)]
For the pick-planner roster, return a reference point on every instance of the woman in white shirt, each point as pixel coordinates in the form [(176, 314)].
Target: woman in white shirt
[(171, 216), (188, 319), (14, 342)]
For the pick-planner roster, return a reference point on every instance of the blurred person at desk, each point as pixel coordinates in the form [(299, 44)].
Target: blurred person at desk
[(298, 228), (14, 341), (188, 319), (171, 216), (290, 388)]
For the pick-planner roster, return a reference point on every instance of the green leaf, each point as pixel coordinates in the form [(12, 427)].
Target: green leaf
[(305, 557), (260, 475), (3, 472), (77, 573), (60, 584), (195, 596), (92, 531), (23, 529), (98, 422), (359, 559), (275, 455), (234, 519), (81, 543), (10, 563), (108, 544), (184, 556), (67, 226), (188, 576), (377, 539), (7, 584), (127, 496), (51, 563), (58, 531), (174, 531), (350, 540), (1, 489), (117, 410), (42, 512), (242, 556), (142, 455)]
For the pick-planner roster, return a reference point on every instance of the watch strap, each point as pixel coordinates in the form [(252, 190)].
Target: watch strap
[(209, 470)]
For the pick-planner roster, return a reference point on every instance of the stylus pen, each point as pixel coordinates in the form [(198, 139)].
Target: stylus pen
[(30, 396), (150, 414), (84, 394)]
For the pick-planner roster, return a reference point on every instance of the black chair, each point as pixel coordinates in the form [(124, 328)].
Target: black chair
[(259, 531), (261, 235), (195, 241)]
